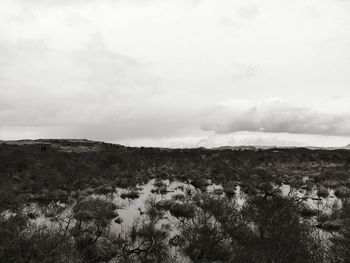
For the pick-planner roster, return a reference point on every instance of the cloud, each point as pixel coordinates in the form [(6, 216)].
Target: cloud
[(248, 12), (229, 22), (92, 92), (150, 69), (274, 116), (42, 86)]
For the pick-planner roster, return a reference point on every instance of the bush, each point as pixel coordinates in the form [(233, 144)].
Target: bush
[(342, 192), (322, 191)]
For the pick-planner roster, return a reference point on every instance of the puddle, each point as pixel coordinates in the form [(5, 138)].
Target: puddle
[(130, 210)]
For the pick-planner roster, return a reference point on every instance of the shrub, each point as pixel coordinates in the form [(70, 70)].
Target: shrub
[(342, 192), (322, 191)]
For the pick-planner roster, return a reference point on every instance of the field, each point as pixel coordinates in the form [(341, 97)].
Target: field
[(86, 201)]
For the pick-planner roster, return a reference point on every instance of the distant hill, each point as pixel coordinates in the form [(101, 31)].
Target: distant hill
[(86, 142)]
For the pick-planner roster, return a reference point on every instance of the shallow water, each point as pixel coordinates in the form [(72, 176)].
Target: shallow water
[(132, 210)]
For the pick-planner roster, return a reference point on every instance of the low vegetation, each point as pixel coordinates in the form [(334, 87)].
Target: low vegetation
[(73, 185)]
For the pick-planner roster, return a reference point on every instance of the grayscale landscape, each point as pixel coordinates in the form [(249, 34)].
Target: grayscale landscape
[(174, 131)]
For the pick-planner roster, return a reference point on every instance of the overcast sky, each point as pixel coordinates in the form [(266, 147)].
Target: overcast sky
[(177, 73)]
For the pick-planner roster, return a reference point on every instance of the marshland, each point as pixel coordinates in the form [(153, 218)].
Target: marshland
[(86, 201)]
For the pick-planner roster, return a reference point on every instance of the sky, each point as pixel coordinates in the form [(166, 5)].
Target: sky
[(176, 73)]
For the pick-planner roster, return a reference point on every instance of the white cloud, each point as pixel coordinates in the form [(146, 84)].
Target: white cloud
[(274, 116), (42, 86)]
